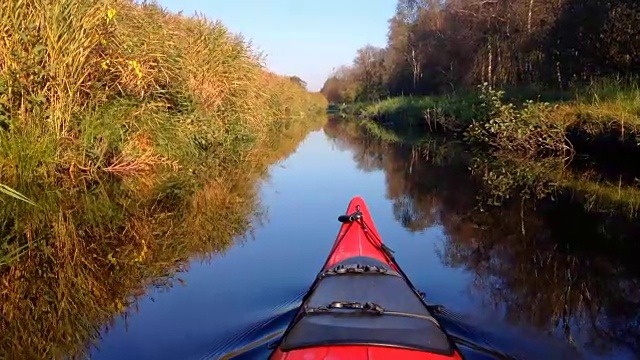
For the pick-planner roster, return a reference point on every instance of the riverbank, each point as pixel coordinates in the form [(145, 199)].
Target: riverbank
[(601, 118), (139, 135), (123, 88), (130, 91), (505, 176)]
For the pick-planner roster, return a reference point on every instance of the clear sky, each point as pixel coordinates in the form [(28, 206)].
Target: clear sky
[(307, 38)]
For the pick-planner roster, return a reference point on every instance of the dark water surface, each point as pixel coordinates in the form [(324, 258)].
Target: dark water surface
[(497, 270)]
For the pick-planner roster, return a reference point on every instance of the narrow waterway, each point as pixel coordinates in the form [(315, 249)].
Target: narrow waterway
[(236, 302)]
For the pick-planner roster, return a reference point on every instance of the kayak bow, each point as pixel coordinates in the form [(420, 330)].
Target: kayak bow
[(362, 305)]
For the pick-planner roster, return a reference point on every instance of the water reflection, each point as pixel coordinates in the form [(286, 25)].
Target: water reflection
[(96, 245), (548, 264)]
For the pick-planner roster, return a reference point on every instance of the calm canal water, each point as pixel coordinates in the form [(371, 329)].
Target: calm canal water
[(238, 301)]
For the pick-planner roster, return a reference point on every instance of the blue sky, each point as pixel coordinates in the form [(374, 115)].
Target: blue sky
[(307, 38)]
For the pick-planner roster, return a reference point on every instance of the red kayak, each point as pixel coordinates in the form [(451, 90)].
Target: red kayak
[(362, 305)]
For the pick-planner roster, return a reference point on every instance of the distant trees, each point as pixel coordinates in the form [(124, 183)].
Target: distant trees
[(363, 80), (298, 81), (437, 46)]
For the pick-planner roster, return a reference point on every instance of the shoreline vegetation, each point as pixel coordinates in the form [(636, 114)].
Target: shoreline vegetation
[(140, 135), (602, 118), (544, 94), (123, 88), (87, 254), (506, 177)]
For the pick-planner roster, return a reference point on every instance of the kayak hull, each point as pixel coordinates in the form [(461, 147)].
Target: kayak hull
[(362, 306), (358, 353), (352, 242)]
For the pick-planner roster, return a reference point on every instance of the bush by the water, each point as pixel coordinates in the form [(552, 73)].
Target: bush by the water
[(520, 122)]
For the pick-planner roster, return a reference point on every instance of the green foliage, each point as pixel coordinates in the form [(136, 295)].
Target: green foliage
[(490, 117), (529, 130), (430, 113), (502, 176), (95, 244), (400, 110)]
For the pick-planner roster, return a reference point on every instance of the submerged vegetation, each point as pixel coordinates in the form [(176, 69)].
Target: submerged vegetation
[(139, 135)]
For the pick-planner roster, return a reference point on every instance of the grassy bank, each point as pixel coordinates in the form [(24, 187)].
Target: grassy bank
[(531, 122), (536, 143), (117, 87), (505, 176)]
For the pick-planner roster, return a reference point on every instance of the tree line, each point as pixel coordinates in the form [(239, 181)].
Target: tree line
[(441, 46)]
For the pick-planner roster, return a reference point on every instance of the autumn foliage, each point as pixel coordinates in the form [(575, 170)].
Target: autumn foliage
[(445, 46)]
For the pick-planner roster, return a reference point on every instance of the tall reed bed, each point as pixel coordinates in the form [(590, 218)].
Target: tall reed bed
[(111, 85)]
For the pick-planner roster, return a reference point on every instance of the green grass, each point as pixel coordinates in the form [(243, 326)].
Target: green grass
[(523, 120), (4, 189), (624, 92), (608, 106)]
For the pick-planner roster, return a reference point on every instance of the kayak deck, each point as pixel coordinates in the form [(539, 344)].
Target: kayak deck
[(384, 289), (362, 306)]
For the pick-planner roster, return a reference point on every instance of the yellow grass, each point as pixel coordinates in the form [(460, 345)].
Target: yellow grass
[(174, 77)]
